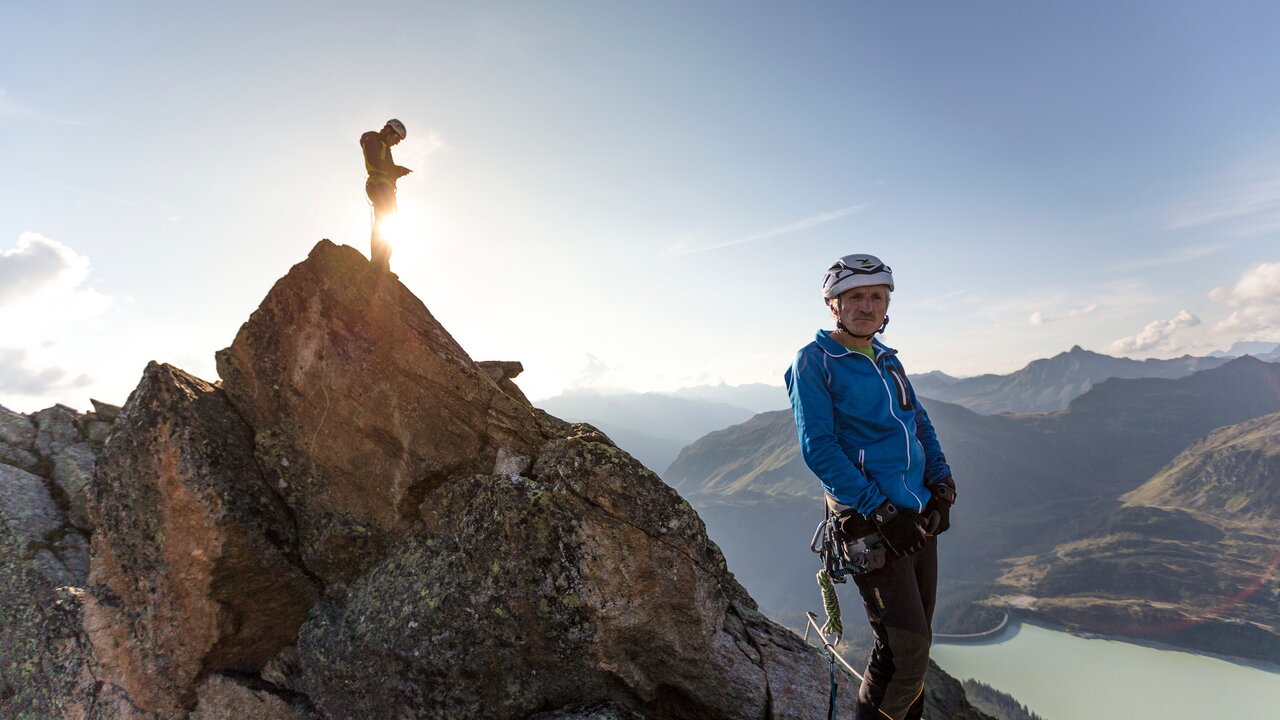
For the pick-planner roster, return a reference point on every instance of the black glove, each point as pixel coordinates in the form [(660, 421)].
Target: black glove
[(899, 527), (938, 512)]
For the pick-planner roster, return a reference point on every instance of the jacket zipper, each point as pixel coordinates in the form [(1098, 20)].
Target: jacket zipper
[(905, 435)]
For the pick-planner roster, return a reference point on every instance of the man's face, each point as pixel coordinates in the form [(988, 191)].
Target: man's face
[(392, 138), (862, 309)]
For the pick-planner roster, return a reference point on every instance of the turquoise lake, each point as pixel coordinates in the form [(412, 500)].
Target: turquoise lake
[(1063, 677)]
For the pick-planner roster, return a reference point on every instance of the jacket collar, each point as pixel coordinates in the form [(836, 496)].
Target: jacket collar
[(835, 349)]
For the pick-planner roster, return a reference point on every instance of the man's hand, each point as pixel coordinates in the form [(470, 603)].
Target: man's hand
[(899, 527), (402, 171), (938, 512)]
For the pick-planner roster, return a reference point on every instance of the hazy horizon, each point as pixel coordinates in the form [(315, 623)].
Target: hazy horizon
[(641, 196)]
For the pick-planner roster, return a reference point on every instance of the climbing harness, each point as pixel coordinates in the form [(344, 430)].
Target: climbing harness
[(841, 556)]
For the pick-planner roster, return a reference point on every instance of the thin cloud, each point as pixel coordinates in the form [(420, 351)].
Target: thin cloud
[(1240, 201), (498, 35), (17, 377), (591, 373), (949, 300), (415, 149), (1040, 318), (1158, 334), (682, 248), (1179, 256), (12, 108), (115, 199), (1246, 201)]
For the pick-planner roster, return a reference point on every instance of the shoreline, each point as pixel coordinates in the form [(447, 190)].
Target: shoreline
[(1012, 624), (985, 637)]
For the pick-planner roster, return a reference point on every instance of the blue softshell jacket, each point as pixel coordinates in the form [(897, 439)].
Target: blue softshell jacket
[(862, 430)]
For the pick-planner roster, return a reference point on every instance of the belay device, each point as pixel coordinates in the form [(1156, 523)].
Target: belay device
[(841, 558)]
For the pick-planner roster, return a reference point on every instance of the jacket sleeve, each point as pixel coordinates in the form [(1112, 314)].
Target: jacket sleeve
[(814, 410), (936, 468)]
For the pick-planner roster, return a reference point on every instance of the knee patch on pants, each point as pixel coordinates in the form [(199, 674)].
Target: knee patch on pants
[(895, 675)]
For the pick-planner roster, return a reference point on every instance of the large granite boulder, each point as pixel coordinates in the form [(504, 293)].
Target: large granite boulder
[(585, 579), (193, 566), (362, 404)]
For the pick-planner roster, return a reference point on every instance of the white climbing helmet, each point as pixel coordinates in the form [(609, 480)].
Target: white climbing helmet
[(397, 127), (853, 271)]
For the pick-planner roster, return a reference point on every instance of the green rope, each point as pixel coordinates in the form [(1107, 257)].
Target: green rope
[(831, 604)]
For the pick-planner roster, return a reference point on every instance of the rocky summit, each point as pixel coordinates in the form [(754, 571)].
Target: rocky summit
[(362, 522)]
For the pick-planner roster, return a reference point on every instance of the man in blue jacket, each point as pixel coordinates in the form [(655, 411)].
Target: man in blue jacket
[(867, 438)]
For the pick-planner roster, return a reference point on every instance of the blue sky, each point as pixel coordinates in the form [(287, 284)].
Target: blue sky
[(641, 195)]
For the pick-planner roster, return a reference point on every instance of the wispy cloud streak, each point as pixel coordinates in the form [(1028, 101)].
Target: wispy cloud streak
[(115, 199), (682, 248), (14, 109), (1173, 257), (1251, 200)]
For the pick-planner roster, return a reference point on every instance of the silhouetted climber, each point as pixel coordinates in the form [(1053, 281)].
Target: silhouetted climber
[(888, 486), (381, 185)]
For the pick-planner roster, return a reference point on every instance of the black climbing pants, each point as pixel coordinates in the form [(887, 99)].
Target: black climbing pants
[(899, 600), (383, 197)]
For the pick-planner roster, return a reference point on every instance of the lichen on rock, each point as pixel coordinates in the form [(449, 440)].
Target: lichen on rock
[(193, 565)]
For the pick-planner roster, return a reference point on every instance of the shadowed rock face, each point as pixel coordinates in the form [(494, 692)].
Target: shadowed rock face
[(363, 523), (191, 568)]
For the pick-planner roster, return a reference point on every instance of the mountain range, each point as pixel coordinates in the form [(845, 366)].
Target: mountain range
[(1189, 558), (1049, 384), (654, 427), (1026, 483)]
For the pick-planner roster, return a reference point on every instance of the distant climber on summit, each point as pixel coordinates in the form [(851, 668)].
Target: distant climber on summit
[(888, 487), (381, 185)]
